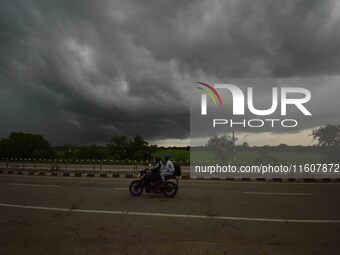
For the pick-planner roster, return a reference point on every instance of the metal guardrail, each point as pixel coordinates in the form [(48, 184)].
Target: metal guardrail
[(65, 166)]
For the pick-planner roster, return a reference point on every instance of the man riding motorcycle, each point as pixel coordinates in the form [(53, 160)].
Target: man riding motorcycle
[(155, 171), (151, 182)]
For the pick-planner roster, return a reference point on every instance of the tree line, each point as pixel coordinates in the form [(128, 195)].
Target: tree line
[(122, 147), (327, 138), (34, 146)]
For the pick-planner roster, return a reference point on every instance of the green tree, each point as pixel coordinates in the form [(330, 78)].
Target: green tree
[(328, 135), (25, 145), (68, 151), (139, 149), (245, 145), (221, 146), (119, 146), (90, 152), (136, 149), (328, 138)]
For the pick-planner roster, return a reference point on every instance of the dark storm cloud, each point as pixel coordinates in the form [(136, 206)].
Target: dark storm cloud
[(78, 71)]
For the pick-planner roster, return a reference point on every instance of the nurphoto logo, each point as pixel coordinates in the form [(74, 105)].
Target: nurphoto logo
[(280, 101)]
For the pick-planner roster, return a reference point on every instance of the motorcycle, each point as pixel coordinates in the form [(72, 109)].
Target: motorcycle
[(150, 184)]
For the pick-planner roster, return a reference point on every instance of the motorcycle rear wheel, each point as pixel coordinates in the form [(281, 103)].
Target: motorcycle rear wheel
[(170, 190)]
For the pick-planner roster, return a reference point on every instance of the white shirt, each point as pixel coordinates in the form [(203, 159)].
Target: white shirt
[(169, 167)]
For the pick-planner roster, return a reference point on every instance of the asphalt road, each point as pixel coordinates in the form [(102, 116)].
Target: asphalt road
[(52, 215)]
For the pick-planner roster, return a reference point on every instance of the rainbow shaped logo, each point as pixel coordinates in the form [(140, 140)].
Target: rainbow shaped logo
[(211, 91)]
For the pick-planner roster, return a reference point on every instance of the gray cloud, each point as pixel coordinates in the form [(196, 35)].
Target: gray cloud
[(77, 71)]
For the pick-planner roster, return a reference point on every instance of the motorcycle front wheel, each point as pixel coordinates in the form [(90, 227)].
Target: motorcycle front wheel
[(170, 190), (136, 188)]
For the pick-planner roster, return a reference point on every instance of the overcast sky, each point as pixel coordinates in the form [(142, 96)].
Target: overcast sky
[(79, 71)]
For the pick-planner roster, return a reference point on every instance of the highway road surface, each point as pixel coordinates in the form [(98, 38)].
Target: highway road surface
[(70, 215)]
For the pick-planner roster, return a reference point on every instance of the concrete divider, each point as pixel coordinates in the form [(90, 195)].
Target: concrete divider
[(118, 171), (129, 174)]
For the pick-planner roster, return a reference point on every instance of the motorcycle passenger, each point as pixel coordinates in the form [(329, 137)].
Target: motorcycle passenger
[(169, 168)]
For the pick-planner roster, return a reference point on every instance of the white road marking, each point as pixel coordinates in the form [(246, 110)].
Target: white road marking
[(120, 188), (278, 193), (34, 185), (191, 216)]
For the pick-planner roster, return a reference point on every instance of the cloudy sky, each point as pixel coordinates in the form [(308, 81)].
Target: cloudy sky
[(79, 71)]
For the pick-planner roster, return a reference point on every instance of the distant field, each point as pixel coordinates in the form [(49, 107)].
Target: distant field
[(248, 157), (177, 154)]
